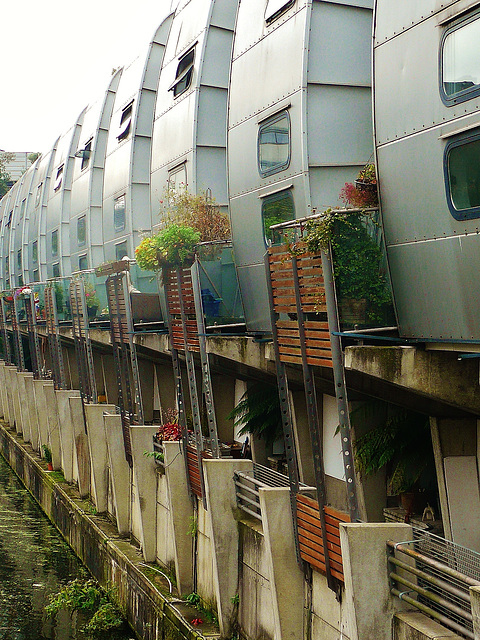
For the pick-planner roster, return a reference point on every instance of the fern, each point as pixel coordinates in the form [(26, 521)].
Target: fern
[(259, 412)]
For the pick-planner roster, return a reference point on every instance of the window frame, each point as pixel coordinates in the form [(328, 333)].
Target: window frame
[(264, 123), (272, 197), (123, 244), (82, 242), (118, 228), (54, 250), (80, 258), (56, 273), (459, 141), (125, 124), (86, 154), (186, 73), (470, 92), (269, 18), (59, 178)]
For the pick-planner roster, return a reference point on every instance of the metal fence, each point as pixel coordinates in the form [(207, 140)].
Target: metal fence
[(435, 575), (247, 486)]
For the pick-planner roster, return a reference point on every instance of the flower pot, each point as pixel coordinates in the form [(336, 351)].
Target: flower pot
[(49, 466), (92, 311)]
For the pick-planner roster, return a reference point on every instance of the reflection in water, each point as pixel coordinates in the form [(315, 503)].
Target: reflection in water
[(34, 562)]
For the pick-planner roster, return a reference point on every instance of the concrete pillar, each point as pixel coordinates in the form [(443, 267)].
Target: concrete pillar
[(53, 426), (8, 408), (287, 581), (145, 480), (369, 604), (2, 388), (30, 389), (67, 440), (181, 510), (475, 600), (82, 454), (222, 507), (119, 471), (25, 400), (15, 413), (41, 412), (98, 453)]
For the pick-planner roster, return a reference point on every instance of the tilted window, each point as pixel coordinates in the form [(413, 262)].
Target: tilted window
[(38, 194), (58, 179), (119, 213), (81, 231), (275, 8), (184, 74), (277, 208), (121, 251), (177, 179), (19, 259), (22, 208), (274, 144), (125, 122), (462, 176), (56, 270), (460, 60), (86, 153), (82, 263), (35, 252), (55, 243)]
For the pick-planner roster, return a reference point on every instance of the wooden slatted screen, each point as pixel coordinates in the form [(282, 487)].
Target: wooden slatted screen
[(173, 301), (310, 535), (193, 470), (312, 296)]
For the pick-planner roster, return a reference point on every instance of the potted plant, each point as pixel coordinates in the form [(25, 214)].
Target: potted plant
[(47, 454), (362, 193), (400, 443), (91, 299), (169, 431), (188, 219)]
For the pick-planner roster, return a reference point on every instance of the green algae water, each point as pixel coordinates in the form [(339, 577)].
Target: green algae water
[(34, 563)]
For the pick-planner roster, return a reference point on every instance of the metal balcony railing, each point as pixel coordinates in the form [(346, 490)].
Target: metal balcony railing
[(435, 575), (247, 486)]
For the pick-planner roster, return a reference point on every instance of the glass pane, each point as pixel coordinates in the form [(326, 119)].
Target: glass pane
[(274, 144), (275, 209), (184, 73), (121, 251), (35, 252), (461, 58), (56, 270), (119, 214), (82, 263), (55, 242), (81, 230), (464, 175)]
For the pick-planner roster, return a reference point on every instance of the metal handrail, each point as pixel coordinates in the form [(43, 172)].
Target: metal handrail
[(429, 582), (247, 484)]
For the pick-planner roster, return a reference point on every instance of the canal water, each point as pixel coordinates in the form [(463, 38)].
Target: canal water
[(34, 563)]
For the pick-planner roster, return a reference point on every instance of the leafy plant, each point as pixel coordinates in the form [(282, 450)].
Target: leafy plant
[(400, 443), (193, 528), (208, 612), (259, 412), (91, 296), (172, 246), (89, 597), (47, 454)]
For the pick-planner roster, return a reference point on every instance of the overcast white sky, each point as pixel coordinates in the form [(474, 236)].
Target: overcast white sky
[(57, 57)]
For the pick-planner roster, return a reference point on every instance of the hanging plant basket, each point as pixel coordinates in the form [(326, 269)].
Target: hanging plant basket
[(366, 186)]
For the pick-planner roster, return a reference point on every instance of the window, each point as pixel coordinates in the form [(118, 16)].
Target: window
[(55, 243), (81, 231), (119, 213), (177, 178), (183, 77), (56, 270), (36, 275), (19, 259), (82, 263), (462, 176), (7, 265), (38, 194), (275, 8), (274, 144), (460, 60), (20, 281), (121, 251), (276, 208), (22, 208), (86, 153), (35, 252), (59, 178), (125, 122), (9, 219)]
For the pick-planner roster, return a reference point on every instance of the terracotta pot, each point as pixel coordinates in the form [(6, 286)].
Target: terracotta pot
[(49, 466)]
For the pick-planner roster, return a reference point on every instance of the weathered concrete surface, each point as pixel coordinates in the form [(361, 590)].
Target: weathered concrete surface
[(438, 375), (3, 389), (41, 403), (369, 604), (82, 454), (97, 446), (475, 600), (67, 440), (181, 510), (24, 405), (53, 427), (141, 594), (414, 625), (222, 509), (33, 415), (145, 480), (120, 472), (286, 578)]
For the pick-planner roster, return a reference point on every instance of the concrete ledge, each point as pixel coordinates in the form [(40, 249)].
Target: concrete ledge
[(97, 445), (67, 440), (414, 625), (33, 415), (111, 560), (82, 454), (23, 390)]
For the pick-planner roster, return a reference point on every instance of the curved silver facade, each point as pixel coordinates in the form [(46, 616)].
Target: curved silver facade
[(189, 110), (419, 117)]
